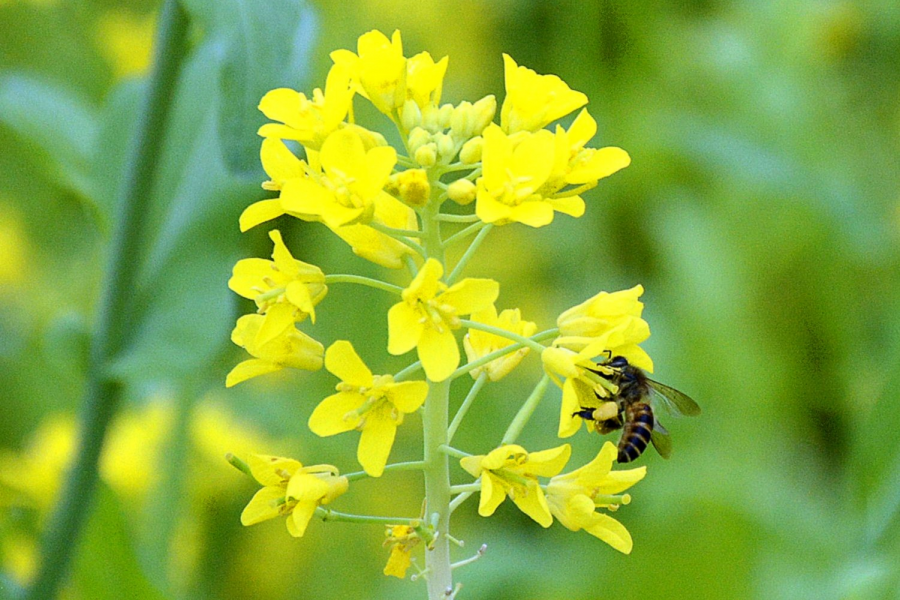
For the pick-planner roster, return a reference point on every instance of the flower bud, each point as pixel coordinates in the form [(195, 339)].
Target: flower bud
[(410, 115), (483, 113), (462, 191), (418, 137), (471, 151), (413, 187), (446, 148), (426, 155)]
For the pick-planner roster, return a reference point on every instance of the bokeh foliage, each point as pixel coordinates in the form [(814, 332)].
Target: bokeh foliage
[(761, 213)]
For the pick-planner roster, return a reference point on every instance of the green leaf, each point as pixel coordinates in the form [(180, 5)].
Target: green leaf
[(107, 566), (61, 126), (268, 47)]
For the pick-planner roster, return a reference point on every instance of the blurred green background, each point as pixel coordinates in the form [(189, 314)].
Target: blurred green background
[(761, 213)]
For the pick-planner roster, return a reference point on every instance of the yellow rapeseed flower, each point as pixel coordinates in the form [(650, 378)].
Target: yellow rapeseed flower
[(515, 169), (374, 405), (274, 343), (429, 313), (282, 279), (401, 539), (574, 497), (512, 471), (351, 179), (379, 69), (290, 490), (308, 120), (481, 343), (534, 101)]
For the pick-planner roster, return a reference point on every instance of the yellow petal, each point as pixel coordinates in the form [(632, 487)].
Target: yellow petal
[(279, 162), (472, 465), (343, 153), (263, 506), (335, 414), (280, 104), (471, 295), (404, 328), (343, 362), (534, 504), (247, 276), (569, 424), (490, 210), (548, 463), (271, 470), (612, 532), (300, 517), (375, 442), (492, 495), (439, 353), (408, 396), (572, 206), (248, 369), (619, 481), (260, 212), (602, 163), (534, 213), (278, 319)]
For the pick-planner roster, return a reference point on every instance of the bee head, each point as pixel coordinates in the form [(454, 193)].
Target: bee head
[(618, 362)]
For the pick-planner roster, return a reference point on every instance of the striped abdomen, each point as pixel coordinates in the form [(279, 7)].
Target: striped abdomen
[(636, 434)]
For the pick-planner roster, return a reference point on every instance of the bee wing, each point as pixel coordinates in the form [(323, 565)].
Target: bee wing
[(676, 402), (661, 440)]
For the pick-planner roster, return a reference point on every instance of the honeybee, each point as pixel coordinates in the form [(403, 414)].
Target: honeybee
[(635, 417)]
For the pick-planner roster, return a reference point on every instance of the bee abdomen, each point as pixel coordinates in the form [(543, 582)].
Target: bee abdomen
[(636, 434)]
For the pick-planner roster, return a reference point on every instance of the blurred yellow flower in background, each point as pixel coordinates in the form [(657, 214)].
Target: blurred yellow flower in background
[(126, 41)]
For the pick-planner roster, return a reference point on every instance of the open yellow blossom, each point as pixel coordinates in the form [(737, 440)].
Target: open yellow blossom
[(610, 320), (282, 166), (374, 405), (533, 101), (282, 279), (379, 68), (515, 169), (345, 192), (274, 343), (576, 165), (428, 314), (401, 539), (574, 497), (308, 120), (290, 490), (512, 471), (481, 343)]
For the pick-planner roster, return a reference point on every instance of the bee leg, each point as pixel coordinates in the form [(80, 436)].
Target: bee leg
[(585, 413)]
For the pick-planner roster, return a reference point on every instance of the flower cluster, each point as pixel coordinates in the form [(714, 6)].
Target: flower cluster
[(386, 204)]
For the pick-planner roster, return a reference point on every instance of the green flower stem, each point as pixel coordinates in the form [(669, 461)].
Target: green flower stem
[(373, 283), (458, 218), (464, 407), (404, 466), (405, 373), (437, 487), (575, 191), (451, 451), (504, 333), (457, 502), (470, 252), (116, 313), (238, 464), (457, 167), (521, 418), (326, 514), (499, 354), (400, 236), (461, 235), (410, 265), (467, 487)]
